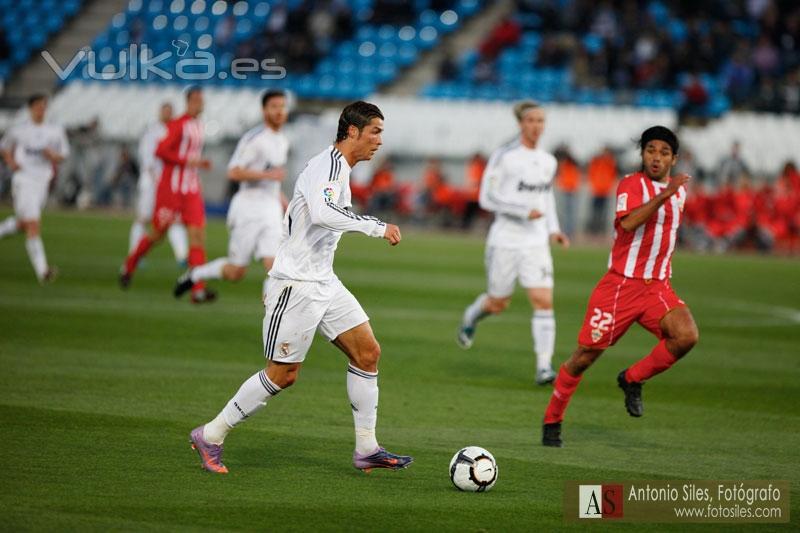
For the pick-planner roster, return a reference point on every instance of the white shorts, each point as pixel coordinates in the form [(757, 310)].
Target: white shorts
[(533, 266), (295, 310), (29, 196), (255, 223), (146, 198), (252, 239)]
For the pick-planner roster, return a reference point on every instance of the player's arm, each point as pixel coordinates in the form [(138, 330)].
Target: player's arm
[(551, 219), (490, 198), (168, 148), (59, 152), (237, 173), (245, 161), (7, 145), (324, 211), (641, 214)]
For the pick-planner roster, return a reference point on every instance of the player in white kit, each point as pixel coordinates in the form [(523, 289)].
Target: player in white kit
[(32, 149), (256, 210), (517, 187), (305, 296), (150, 168)]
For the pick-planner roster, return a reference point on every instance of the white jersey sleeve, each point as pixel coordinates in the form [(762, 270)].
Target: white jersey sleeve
[(551, 213), (245, 155), (148, 162), (491, 197), (325, 210), (9, 139)]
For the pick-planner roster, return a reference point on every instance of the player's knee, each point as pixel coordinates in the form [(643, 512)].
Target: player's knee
[(237, 273), (369, 355), (497, 305), (687, 338)]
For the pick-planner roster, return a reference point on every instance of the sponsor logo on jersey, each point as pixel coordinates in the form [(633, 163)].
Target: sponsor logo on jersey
[(533, 187)]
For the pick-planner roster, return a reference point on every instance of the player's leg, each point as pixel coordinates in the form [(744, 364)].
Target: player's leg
[(679, 334), (145, 202), (536, 275), (543, 330), (613, 307), (346, 324), (291, 317), (501, 273), (164, 213), (10, 226), (668, 318), (29, 197), (193, 213), (233, 267), (179, 242)]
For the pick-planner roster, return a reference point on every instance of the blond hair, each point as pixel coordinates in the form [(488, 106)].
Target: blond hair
[(520, 108)]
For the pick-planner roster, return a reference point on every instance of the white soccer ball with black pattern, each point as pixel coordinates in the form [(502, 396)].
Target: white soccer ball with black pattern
[(473, 469)]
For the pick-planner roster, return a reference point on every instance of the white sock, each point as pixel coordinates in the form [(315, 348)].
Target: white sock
[(249, 399), (178, 240), (35, 248), (264, 289), (137, 230), (475, 312), (362, 388), (543, 328), (8, 226), (211, 270)]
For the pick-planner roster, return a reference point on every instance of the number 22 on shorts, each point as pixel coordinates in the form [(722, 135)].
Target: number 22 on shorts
[(599, 322)]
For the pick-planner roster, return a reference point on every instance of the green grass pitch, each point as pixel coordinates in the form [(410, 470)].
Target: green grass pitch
[(100, 389)]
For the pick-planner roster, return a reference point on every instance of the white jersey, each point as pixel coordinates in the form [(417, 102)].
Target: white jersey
[(517, 180), (261, 148), (28, 140), (150, 166), (316, 218)]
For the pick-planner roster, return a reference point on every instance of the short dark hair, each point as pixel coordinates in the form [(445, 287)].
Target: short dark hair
[(357, 114), (659, 133), (32, 99), (269, 94), (191, 90)]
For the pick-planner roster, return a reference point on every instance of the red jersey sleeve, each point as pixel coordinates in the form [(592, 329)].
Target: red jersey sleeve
[(168, 148), (629, 196)]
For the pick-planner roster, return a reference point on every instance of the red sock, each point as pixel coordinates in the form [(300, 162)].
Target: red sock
[(145, 243), (656, 362), (563, 388), (197, 257)]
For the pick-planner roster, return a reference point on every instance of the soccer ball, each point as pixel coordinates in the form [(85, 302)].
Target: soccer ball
[(473, 469)]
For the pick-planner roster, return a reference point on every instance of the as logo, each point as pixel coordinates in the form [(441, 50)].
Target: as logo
[(327, 192), (600, 501)]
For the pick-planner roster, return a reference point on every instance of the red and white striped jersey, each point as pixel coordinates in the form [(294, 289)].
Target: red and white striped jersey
[(183, 141), (646, 252)]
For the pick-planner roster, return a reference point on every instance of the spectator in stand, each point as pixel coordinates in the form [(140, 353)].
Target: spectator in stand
[(448, 68), (695, 100), (506, 33), (383, 192), (473, 175), (435, 195), (602, 174), (732, 167), (568, 182), (687, 164), (729, 222), (696, 215)]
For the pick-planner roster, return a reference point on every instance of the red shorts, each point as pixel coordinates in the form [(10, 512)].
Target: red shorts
[(617, 302), (169, 205)]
